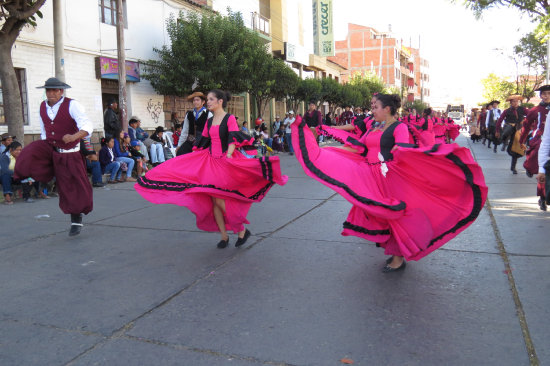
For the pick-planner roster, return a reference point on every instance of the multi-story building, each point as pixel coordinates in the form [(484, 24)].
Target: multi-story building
[(367, 50), (90, 57)]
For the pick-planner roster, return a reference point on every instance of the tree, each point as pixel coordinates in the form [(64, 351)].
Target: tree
[(531, 52), (497, 88), (351, 95), (331, 92), (535, 8), (207, 51), (309, 89), (417, 105), (367, 84), (287, 81), (14, 14), (261, 80)]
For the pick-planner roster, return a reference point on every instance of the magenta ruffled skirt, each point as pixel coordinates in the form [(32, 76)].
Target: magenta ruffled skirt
[(191, 180), (427, 196)]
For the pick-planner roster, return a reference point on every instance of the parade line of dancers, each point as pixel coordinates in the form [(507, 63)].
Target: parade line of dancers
[(411, 188)]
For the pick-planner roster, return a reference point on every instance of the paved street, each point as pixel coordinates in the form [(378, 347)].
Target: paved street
[(142, 286)]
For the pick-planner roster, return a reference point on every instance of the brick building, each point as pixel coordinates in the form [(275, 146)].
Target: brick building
[(367, 50)]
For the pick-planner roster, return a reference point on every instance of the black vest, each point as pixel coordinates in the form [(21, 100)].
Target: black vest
[(517, 117), (224, 132), (198, 125), (312, 121)]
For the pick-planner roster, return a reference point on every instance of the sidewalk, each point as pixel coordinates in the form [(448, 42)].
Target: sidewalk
[(142, 286)]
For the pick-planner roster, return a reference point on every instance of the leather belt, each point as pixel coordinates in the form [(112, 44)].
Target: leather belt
[(65, 151)]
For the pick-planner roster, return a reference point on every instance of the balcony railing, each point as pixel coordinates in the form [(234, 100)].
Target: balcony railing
[(261, 24)]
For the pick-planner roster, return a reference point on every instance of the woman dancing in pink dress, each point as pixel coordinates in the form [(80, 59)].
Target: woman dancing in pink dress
[(216, 182), (408, 200)]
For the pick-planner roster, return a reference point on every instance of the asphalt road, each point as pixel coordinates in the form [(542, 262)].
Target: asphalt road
[(142, 286)]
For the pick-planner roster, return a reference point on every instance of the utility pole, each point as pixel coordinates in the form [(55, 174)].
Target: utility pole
[(58, 40), (121, 65)]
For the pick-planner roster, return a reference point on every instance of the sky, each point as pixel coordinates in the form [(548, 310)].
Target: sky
[(461, 49)]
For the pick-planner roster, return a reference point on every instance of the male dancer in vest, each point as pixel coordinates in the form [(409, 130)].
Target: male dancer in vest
[(194, 122), (533, 128), (63, 123), (491, 124), (313, 117), (508, 124)]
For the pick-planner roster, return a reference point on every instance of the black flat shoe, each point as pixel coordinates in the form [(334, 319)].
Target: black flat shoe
[(75, 229), (388, 269), (388, 261), (514, 171), (223, 243), (241, 241)]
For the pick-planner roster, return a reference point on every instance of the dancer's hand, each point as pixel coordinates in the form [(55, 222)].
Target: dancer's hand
[(68, 138), (541, 178), (229, 155)]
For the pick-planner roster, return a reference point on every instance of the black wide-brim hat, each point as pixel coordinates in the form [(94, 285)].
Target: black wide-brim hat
[(54, 83), (543, 88), (494, 101)]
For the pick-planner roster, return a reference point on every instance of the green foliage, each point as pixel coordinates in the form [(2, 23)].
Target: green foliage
[(537, 9), (309, 89), (367, 84), (286, 80), (417, 105), (331, 91), (209, 51), (497, 88)]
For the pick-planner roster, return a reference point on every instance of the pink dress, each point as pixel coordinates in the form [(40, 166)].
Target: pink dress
[(440, 132), (359, 128), (411, 201), (191, 180)]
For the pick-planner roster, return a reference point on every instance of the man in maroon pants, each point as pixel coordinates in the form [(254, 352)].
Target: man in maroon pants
[(63, 123)]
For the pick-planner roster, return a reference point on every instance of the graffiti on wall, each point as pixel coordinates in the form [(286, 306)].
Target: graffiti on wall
[(154, 109)]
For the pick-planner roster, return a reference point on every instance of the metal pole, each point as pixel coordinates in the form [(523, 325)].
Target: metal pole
[(121, 65), (58, 40)]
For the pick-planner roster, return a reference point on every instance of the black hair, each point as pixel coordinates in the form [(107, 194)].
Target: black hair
[(427, 111), (311, 101), (106, 140), (220, 94), (14, 145), (178, 125), (132, 120), (390, 100)]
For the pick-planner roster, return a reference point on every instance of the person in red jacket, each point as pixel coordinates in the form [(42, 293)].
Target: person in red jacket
[(530, 138)]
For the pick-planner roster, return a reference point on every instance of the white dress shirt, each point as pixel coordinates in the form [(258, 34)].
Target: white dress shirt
[(544, 149), (496, 114), (77, 112), (185, 127)]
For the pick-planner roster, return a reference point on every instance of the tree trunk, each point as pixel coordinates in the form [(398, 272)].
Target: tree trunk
[(13, 110)]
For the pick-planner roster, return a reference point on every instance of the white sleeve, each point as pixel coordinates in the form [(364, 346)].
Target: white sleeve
[(184, 131), (42, 130), (487, 119), (544, 149), (76, 110)]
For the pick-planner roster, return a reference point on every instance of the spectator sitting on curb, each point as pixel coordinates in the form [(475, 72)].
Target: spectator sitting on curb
[(6, 141), (122, 155), (244, 127), (92, 162), (133, 125), (139, 159), (177, 134), (7, 164), (159, 142), (107, 160)]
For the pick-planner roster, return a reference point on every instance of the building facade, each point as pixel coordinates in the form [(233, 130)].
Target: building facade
[(90, 57), (367, 50)]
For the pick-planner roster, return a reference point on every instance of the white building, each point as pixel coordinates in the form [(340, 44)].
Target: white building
[(89, 33)]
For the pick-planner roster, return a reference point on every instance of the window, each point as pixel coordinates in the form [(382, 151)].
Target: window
[(107, 11), (22, 81)]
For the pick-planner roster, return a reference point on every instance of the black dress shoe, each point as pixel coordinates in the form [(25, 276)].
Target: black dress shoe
[(98, 184), (75, 229), (388, 261), (223, 243), (514, 171), (388, 269), (241, 241), (542, 204)]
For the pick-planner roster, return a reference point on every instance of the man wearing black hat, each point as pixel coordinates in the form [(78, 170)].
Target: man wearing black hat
[(507, 125), (111, 124), (533, 128), (491, 124), (63, 123)]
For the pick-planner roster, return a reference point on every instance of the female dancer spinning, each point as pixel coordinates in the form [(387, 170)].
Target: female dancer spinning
[(408, 200), (216, 182)]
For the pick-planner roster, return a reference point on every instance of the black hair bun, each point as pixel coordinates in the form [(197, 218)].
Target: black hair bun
[(228, 95)]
